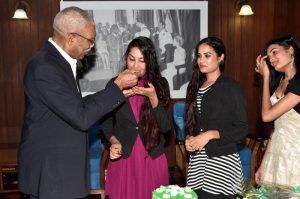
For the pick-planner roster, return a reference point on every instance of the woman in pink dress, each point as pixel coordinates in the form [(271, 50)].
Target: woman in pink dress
[(136, 129)]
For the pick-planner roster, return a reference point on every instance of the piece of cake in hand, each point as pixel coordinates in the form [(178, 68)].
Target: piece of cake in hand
[(174, 192)]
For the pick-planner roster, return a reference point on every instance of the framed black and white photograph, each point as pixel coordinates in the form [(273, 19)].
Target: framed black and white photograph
[(175, 27)]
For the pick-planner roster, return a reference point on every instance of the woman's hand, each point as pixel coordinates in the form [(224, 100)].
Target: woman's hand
[(261, 66), (188, 145), (149, 92), (115, 148), (198, 142), (258, 175), (128, 92)]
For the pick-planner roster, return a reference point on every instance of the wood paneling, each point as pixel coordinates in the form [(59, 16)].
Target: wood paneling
[(20, 39), (244, 37)]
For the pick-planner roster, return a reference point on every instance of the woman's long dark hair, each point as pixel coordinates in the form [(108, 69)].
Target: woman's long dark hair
[(286, 42), (151, 134), (198, 79)]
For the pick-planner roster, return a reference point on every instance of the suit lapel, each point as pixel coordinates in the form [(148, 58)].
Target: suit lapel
[(62, 62)]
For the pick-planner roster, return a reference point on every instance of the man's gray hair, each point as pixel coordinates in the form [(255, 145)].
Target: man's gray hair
[(71, 19)]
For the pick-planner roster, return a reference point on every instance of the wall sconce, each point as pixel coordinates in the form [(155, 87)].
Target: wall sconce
[(245, 8), (22, 9)]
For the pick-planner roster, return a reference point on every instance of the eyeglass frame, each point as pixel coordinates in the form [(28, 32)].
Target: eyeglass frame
[(92, 41)]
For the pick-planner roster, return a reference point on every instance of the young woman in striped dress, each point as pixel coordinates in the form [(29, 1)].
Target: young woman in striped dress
[(216, 120)]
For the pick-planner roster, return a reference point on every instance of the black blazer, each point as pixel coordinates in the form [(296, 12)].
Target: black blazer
[(224, 109), (122, 124), (53, 154)]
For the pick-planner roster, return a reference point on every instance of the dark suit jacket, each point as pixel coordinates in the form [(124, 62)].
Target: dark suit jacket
[(122, 124), (53, 154), (224, 109)]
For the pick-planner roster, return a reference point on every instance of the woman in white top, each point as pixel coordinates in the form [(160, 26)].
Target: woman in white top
[(279, 69)]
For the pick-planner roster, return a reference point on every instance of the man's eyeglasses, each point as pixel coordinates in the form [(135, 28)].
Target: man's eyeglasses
[(92, 41)]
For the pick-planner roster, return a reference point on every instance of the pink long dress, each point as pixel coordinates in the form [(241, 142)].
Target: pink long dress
[(138, 175)]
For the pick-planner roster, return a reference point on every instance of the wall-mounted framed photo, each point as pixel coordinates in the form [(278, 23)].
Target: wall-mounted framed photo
[(175, 27)]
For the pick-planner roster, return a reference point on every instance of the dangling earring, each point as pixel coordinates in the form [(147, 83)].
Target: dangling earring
[(292, 62)]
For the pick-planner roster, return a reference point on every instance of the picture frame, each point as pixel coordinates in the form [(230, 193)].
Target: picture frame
[(175, 27)]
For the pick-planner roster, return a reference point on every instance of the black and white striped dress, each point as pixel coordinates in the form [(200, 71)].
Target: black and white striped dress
[(215, 175)]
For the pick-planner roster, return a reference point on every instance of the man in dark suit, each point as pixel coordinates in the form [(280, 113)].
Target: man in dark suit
[(53, 153)]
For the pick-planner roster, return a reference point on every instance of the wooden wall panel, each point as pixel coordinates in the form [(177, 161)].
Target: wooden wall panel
[(20, 39), (244, 37)]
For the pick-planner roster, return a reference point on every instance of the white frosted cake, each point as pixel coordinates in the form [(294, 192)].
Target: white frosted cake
[(174, 192)]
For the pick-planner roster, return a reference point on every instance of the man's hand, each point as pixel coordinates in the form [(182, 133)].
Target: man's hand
[(126, 79)]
